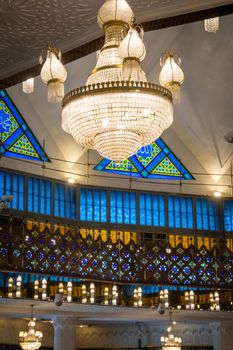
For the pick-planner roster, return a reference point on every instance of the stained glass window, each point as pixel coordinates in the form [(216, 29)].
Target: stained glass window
[(13, 184), (208, 214), (93, 205), (64, 201), (228, 215), (122, 207), (39, 195), (180, 212), (152, 209), (17, 140), (152, 161)]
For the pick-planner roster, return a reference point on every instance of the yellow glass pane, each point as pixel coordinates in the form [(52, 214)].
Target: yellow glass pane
[(172, 241), (104, 235)]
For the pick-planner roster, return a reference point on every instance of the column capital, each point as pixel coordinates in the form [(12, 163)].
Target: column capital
[(64, 322)]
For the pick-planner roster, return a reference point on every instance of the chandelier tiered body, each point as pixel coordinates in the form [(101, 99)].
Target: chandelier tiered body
[(30, 340), (117, 111)]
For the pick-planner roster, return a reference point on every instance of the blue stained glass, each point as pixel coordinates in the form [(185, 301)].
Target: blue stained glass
[(29, 255), (126, 267), (95, 263), (228, 215), (64, 201), (17, 139), (175, 269), (113, 217), (174, 257), (13, 184), (152, 161), (208, 214), (171, 212), (40, 256), (84, 262), (163, 268), (186, 270), (114, 266), (63, 259), (150, 267)]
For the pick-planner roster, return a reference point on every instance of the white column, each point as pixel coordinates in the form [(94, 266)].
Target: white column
[(222, 335), (64, 333)]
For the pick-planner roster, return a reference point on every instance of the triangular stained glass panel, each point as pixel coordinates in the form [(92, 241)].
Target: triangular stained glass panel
[(16, 138), (152, 161), (166, 167), (23, 147)]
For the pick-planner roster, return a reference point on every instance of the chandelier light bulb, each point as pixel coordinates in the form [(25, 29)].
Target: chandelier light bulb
[(28, 86), (212, 25), (53, 73), (171, 75), (117, 111)]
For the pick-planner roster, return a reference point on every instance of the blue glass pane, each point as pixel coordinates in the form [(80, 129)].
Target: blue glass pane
[(142, 219), (228, 215)]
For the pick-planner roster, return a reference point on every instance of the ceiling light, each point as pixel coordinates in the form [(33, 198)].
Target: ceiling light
[(171, 75), (71, 180), (212, 25), (217, 194), (117, 111), (30, 340), (53, 73), (170, 342)]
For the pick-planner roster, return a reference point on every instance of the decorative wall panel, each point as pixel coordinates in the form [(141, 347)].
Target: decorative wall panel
[(96, 255)]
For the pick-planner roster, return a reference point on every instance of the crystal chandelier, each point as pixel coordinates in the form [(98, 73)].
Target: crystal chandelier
[(118, 111), (30, 340), (170, 342)]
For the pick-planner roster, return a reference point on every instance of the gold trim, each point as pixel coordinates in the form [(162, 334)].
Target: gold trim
[(54, 81), (115, 23), (95, 70), (117, 86)]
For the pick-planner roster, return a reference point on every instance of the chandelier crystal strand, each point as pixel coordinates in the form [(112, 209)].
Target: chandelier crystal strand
[(30, 340), (212, 25), (53, 73), (170, 342), (171, 75), (117, 111)]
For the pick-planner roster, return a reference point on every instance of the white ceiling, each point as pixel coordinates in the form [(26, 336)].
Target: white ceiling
[(201, 120), (89, 314)]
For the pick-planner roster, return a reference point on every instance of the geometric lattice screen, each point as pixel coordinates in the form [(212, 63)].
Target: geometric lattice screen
[(16, 138), (155, 161)]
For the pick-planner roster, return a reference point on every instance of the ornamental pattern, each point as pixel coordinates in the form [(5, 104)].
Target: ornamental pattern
[(98, 255), (16, 138), (156, 161)]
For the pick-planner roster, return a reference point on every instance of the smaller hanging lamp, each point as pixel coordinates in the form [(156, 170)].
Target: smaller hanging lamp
[(53, 73), (132, 51), (28, 86), (212, 25), (171, 75)]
